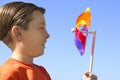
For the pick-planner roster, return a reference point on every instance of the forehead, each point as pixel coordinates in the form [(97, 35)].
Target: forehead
[(37, 20), (38, 17)]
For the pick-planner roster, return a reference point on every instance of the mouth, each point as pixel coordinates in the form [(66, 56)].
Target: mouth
[(43, 45)]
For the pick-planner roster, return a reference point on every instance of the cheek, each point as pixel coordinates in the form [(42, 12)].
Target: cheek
[(33, 38)]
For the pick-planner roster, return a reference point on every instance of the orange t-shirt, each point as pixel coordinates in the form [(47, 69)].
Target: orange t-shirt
[(15, 70)]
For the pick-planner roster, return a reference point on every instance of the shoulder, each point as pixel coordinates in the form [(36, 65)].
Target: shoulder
[(9, 66), (41, 67), (44, 71), (9, 71)]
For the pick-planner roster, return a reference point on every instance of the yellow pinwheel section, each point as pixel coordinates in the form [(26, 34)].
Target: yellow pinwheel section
[(84, 19)]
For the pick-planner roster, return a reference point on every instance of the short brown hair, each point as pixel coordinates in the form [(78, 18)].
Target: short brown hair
[(15, 13)]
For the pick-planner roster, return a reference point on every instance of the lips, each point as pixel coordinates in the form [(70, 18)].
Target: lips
[(44, 44)]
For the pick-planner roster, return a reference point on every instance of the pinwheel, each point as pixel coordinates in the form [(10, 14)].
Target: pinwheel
[(81, 30)]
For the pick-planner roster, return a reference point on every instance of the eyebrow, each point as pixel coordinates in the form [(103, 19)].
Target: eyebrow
[(41, 23)]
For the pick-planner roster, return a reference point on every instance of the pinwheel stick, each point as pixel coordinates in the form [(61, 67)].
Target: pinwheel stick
[(92, 51)]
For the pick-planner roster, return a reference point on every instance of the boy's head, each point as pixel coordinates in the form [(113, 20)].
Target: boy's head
[(15, 14)]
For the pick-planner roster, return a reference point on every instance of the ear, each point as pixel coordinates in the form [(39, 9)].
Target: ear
[(16, 33)]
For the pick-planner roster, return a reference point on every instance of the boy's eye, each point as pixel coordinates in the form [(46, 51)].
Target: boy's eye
[(41, 27)]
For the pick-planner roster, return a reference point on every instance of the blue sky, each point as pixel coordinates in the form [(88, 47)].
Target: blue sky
[(61, 59)]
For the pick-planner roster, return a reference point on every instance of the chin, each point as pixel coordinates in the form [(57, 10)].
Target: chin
[(40, 54)]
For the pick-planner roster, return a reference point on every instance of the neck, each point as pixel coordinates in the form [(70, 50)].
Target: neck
[(21, 57)]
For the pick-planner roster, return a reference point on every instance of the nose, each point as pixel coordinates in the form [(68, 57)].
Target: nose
[(47, 34)]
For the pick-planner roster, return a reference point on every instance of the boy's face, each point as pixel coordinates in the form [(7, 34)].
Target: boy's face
[(35, 37)]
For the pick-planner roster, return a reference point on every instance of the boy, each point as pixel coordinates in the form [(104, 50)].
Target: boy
[(23, 30)]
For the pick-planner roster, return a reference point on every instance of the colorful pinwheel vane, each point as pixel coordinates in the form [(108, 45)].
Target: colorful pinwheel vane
[(81, 30)]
